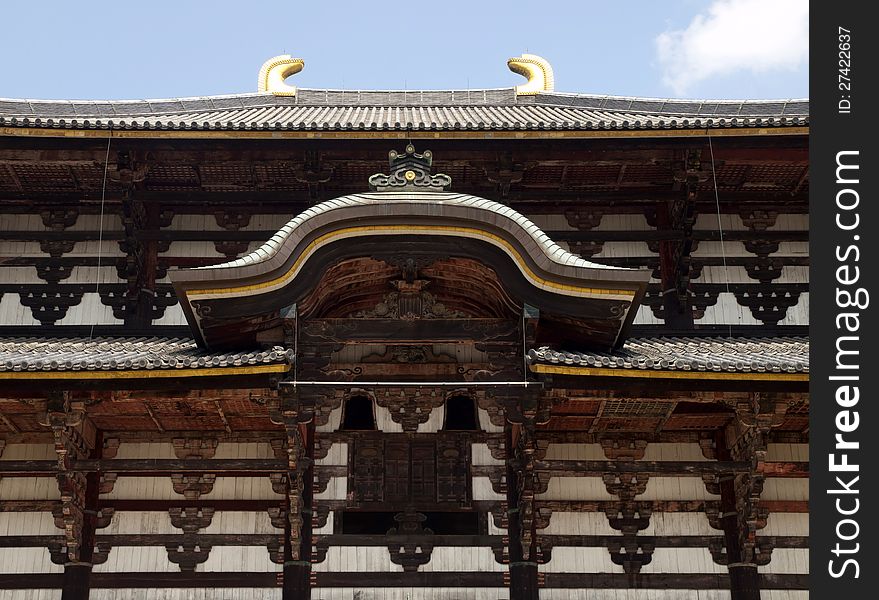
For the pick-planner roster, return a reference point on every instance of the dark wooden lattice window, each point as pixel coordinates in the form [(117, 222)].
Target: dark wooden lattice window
[(397, 470), (424, 470), (369, 470), (452, 474)]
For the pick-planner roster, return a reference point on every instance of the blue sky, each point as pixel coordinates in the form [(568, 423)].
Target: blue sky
[(161, 49)]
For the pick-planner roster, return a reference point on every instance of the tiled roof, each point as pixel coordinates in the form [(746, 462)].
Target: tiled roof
[(107, 354), (744, 355), (342, 110), (762, 355)]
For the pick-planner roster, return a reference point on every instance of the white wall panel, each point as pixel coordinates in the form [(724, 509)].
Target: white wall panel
[(242, 488), (676, 488), (482, 490), (786, 524), (449, 558), (137, 559), (551, 222), (103, 248), (29, 488), (434, 421), (27, 560), (790, 222), (29, 452), (799, 313), (173, 315), (337, 455), (384, 422), (145, 450), (481, 455), (786, 452), (710, 220), (785, 489), (244, 450), (326, 529), (645, 316), (727, 310), (628, 222), (564, 594), (579, 523), (574, 452), (232, 559), (687, 452), (485, 422), (13, 312), (403, 593), (30, 595), (273, 593), (623, 250), (89, 311), (680, 523), (334, 420), (576, 488), (194, 250), (787, 561), (357, 558), (234, 521), (580, 560), (337, 489), (20, 249), (27, 523), (160, 488), (139, 522), (683, 560), (784, 595)]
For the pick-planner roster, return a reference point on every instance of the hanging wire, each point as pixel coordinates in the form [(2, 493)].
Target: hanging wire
[(719, 223), (101, 228)]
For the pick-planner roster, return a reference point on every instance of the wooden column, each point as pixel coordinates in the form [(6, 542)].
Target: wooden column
[(523, 560), (742, 574), (741, 514), (75, 438), (300, 479)]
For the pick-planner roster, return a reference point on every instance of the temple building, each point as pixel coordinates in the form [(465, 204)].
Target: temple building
[(490, 344)]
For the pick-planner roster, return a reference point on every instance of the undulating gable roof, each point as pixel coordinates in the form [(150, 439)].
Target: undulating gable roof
[(448, 110)]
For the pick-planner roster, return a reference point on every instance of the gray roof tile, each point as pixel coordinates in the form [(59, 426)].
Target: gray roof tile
[(493, 109), (83, 354), (704, 354)]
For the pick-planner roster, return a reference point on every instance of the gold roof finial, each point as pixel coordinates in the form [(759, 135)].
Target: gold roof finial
[(275, 70), (537, 70)]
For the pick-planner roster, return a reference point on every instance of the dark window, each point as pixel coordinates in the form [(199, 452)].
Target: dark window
[(365, 523), (461, 414), (453, 523), (358, 414)]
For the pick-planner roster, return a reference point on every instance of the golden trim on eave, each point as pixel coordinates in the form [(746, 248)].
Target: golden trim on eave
[(281, 134), (657, 374), (471, 232), (147, 374)]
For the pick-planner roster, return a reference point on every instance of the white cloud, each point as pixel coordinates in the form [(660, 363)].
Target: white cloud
[(759, 36)]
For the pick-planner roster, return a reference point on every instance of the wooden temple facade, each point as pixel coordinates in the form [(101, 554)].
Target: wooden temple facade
[(513, 344)]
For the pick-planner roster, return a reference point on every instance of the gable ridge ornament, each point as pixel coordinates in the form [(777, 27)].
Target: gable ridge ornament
[(537, 70), (275, 70), (410, 170)]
